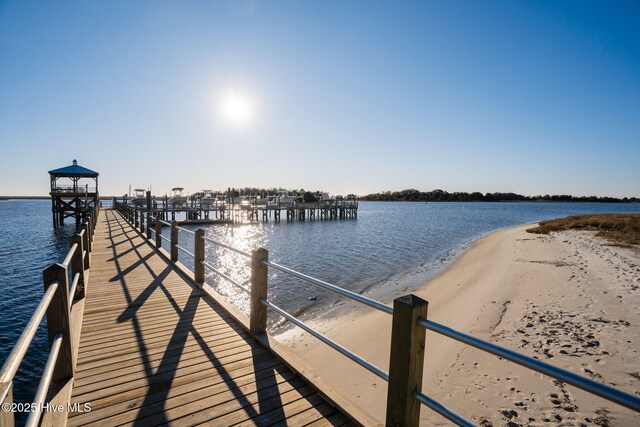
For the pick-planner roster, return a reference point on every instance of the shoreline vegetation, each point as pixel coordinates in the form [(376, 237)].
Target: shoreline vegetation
[(412, 195), (619, 229)]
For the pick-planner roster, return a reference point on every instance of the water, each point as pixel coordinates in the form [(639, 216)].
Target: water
[(28, 243), (389, 242)]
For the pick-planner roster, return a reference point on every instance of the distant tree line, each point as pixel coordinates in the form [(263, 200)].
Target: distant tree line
[(412, 195)]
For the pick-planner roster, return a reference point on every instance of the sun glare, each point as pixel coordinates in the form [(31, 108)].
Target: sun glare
[(237, 108)]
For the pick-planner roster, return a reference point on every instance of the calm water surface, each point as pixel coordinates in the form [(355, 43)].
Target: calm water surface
[(387, 242)]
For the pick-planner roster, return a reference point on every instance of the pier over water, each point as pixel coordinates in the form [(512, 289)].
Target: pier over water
[(155, 348), (138, 338)]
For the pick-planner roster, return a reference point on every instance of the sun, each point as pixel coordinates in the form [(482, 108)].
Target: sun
[(237, 108)]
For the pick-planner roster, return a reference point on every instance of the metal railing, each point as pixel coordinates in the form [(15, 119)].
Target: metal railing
[(586, 384), (56, 303), (407, 342)]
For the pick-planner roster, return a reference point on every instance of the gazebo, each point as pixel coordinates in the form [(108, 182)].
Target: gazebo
[(74, 193)]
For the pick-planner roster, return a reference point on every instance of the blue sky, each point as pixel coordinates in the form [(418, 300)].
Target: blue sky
[(539, 97)]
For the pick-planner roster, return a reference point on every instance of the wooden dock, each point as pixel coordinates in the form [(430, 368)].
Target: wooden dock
[(136, 338), (156, 349)]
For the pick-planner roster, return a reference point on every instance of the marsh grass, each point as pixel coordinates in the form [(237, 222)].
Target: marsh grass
[(619, 229)]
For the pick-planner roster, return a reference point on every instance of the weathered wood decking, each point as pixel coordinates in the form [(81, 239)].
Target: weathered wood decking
[(155, 349)]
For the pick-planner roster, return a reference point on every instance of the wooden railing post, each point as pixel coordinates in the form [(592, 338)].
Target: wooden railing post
[(148, 225), (58, 320), (158, 232), (259, 286), (174, 241), (406, 361), (141, 222), (86, 244), (89, 223), (198, 267), (135, 218), (7, 418), (77, 264)]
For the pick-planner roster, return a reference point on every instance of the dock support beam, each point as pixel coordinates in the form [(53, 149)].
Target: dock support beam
[(406, 362)]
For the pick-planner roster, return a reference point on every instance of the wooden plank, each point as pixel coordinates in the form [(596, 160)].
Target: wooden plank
[(336, 420), (176, 397), (257, 404), (174, 363), (133, 358), (127, 347), (232, 371), (167, 374), (134, 332)]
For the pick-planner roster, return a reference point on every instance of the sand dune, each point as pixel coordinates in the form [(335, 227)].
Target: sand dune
[(567, 298)]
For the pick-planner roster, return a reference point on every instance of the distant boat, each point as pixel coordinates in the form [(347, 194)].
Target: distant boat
[(207, 200), (327, 200), (285, 199), (177, 199), (139, 198)]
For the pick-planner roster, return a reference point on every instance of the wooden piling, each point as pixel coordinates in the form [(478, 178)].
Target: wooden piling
[(58, 320), (77, 265), (198, 267), (174, 241), (259, 286), (406, 361), (158, 232)]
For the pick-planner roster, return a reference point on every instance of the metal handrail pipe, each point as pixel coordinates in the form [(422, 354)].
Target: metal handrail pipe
[(162, 236), (231, 248), (345, 352), (70, 254), (14, 360), (442, 410), (165, 222), (228, 278), (74, 285), (185, 251), (333, 288), (45, 381), (186, 231), (568, 377)]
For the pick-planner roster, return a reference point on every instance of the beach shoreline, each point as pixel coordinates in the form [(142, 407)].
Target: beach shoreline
[(567, 298)]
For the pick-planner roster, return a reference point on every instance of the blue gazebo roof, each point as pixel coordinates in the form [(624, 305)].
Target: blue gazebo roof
[(74, 170)]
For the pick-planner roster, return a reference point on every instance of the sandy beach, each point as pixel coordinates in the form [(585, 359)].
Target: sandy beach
[(567, 298)]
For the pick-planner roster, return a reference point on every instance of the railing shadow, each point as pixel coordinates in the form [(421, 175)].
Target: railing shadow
[(261, 402)]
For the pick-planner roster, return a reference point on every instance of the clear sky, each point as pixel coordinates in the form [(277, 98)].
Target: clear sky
[(537, 97)]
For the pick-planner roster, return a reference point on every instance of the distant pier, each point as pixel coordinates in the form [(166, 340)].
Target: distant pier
[(229, 212)]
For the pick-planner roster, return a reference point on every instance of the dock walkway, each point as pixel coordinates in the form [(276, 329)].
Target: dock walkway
[(156, 349)]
